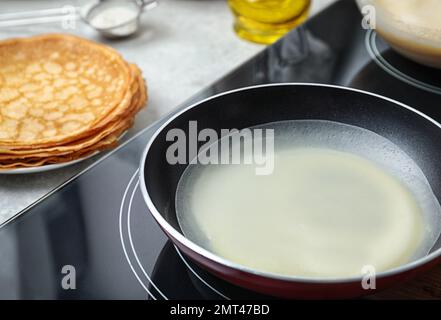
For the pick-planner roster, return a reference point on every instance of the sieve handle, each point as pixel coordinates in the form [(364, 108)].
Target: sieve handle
[(11, 19), (148, 4)]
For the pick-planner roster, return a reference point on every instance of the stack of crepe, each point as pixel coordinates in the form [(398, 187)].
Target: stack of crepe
[(63, 98)]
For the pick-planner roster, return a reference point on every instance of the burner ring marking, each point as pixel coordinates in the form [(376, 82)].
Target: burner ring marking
[(371, 46)]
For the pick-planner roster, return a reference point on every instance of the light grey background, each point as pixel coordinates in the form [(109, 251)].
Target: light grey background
[(182, 47)]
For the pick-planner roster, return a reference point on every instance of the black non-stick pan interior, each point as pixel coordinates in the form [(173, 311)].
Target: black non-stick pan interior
[(415, 134)]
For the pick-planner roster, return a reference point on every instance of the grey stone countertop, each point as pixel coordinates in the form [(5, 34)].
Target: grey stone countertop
[(183, 46)]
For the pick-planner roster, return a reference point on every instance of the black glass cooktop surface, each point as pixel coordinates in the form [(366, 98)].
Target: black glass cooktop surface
[(98, 223)]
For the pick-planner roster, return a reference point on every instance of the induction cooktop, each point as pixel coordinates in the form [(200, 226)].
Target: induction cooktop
[(94, 238)]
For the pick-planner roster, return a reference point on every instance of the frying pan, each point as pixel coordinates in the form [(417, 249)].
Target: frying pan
[(415, 133)]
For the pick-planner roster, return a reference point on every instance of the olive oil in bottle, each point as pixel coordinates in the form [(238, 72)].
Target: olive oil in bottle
[(265, 21)]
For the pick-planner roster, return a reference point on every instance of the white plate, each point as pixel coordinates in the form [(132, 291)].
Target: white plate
[(49, 167)]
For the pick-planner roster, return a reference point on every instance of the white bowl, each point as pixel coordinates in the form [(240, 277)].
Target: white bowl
[(409, 28)]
